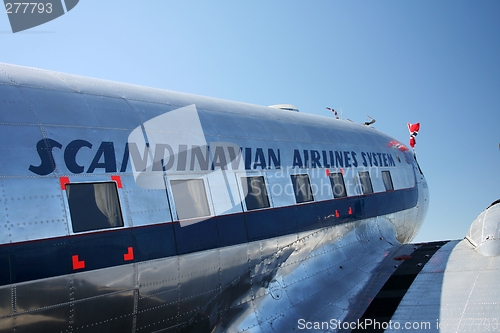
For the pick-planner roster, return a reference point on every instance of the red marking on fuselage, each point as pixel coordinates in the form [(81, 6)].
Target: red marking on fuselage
[(77, 263), (63, 181), (118, 181), (129, 255)]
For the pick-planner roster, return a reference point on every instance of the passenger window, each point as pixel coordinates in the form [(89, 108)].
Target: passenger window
[(190, 198), (386, 177), (94, 206), (338, 185), (254, 189), (366, 182), (302, 188)]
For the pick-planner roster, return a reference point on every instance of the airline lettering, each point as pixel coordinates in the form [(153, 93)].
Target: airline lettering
[(200, 158), (339, 159), (377, 159), (204, 157)]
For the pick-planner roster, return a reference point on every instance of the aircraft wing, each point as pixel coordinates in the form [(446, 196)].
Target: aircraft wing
[(450, 286)]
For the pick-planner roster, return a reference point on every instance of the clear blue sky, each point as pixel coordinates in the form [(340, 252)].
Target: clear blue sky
[(433, 62)]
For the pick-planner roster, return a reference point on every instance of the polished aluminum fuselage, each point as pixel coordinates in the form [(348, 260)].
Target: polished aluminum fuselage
[(234, 270)]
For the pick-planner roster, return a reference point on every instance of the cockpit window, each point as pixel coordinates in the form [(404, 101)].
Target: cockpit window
[(94, 206)]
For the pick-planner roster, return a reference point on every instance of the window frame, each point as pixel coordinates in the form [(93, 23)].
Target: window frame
[(306, 176), (333, 184), (365, 175), (173, 202), (387, 180), (74, 219), (245, 186)]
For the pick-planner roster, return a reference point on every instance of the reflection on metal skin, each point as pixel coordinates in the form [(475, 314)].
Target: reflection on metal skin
[(456, 291), (230, 269), (258, 286)]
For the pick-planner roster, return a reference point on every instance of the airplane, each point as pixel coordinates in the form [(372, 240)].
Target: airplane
[(134, 209)]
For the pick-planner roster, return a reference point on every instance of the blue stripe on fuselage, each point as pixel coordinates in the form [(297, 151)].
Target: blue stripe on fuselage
[(53, 257)]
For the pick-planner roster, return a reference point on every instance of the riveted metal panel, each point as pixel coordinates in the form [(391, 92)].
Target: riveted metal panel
[(158, 276), (88, 85), (227, 127), (199, 272), (5, 301), (162, 304), (141, 93), (192, 309), (280, 187), (55, 107), (224, 192), (145, 206), (159, 315), (454, 291), (113, 310), (270, 305), (45, 320), (34, 77), (103, 282), (310, 305), (244, 321), (33, 296), (43, 197), (147, 111), (117, 324), (282, 131), (319, 238), (286, 321), (305, 288), (484, 293), (7, 324), (18, 143), (136, 92), (112, 112), (292, 273), (256, 128), (14, 107), (286, 242), (319, 264), (233, 263), (209, 127), (320, 185), (268, 248), (4, 79)]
